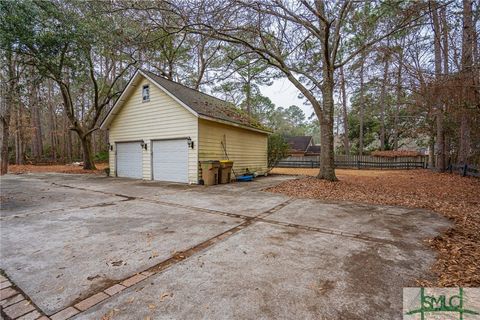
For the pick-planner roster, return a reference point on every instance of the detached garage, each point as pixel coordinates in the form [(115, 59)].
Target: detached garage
[(160, 130)]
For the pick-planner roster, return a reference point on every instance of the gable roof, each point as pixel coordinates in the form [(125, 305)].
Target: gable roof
[(299, 143), (200, 104), (313, 150)]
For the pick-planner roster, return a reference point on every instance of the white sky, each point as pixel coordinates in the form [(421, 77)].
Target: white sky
[(284, 94)]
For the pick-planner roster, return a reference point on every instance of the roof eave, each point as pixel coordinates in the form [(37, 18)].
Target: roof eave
[(111, 114), (231, 123), (118, 104), (170, 94)]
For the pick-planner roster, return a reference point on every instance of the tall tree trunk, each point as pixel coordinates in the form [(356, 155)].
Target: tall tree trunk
[(5, 122), (440, 135), (346, 141), (445, 33), (100, 139), (398, 102), (467, 71), (326, 115), (53, 123), (431, 150), (8, 87), (37, 143), (248, 98), (476, 44), (19, 136), (448, 148), (327, 156), (362, 106), (86, 142), (445, 48), (69, 146), (53, 140), (84, 133), (440, 140), (94, 144), (7, 103), (382, 102), (78, 147), (464, 150)]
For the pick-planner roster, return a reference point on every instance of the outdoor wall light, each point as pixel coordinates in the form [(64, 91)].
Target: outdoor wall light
[(110, 146), (190, 143), (144, 145)]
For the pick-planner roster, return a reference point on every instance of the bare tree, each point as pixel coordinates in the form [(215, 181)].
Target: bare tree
[(383, 93), (35, 115), (346, 141), (67, 52), (362, 103), (468, 43), (303, 40), (399, 98), (8, 88), (440, 135)]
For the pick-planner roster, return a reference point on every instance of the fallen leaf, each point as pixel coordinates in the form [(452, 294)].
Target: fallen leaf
[(453, 196), (164, 295)]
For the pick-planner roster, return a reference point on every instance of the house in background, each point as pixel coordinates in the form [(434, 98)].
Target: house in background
[(313, 150), (301, 146), (160, 130)]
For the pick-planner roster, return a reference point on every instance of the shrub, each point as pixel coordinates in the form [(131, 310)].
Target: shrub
[(277, 149), (102, 156)]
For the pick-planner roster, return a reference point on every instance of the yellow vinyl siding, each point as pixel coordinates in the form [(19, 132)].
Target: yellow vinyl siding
[(247, 148), (160, 118)]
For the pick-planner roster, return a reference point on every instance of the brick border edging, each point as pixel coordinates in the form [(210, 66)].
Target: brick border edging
[(83, 305), (119, 286), (14, 303)]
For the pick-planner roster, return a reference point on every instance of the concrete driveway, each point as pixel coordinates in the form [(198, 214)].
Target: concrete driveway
[(93, 247)]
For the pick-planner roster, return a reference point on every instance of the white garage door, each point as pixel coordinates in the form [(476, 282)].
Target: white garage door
[(129, 160), (170, 160)]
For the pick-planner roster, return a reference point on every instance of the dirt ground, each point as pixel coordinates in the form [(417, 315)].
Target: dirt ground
[(340, 172), (458, 261), (58, 168)]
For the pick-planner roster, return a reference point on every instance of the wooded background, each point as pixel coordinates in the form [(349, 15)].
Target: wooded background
[(378, 74)]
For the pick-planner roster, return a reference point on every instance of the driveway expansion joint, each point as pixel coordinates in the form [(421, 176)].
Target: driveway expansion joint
[(86, 303), (260, 217), (330, 232)]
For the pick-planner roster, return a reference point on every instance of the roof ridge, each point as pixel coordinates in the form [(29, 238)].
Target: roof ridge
[(187, 87), (203, 103)]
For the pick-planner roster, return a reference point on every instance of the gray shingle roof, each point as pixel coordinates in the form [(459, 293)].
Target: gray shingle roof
[(313, 150), (299, 143), (205, 104)]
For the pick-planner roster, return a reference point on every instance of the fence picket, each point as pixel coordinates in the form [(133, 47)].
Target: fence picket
[(356, 161)]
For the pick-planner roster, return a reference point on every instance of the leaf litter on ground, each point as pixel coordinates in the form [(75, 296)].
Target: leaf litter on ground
[(455, 197)]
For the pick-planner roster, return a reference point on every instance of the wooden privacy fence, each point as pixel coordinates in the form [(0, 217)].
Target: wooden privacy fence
[(358, 162), (464, 170)]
